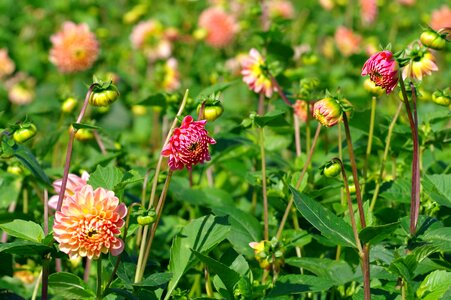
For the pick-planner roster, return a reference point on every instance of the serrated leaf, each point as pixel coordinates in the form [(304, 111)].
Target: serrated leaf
[(438, 187), (105, 177), (26, 230), (24, 248), (376, 234), (435, 285), (338, 272), (228, 276), (295, 284), (69, 286), (201, 235), (24, 155), (331, 226), (155, 280), (439, 237)]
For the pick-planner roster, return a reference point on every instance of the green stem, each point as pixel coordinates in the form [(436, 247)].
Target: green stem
[(298, 183), (415, 192), (384, 158), (297, 135), (370, 139), (45, 277), (264, 192), (99, 278), (208, 287)]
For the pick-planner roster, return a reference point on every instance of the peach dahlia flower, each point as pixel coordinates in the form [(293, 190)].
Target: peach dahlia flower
[(89, 222), (220, 26), (74, 184), (441, 18), (75, 48), (6, 64)]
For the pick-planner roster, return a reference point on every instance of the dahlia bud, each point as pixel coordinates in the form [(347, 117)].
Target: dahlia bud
[(103, 94), (383, 70), (147, 219), (441, 98), (68, 105), (84, 134), (211, 110), (25, 132), (331, 169), (328, 111), (432, 39)]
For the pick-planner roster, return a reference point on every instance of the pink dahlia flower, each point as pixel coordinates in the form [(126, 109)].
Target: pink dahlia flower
[(6, 64), (368, 11), (383, 70), (89, 222), (441, 18), (220, 26), (281, 8), (420, 66), (328, 112), (255, 75), (75, 48), (73, 185), (347, 41), (21, 89), (149, 36), (188, 145)]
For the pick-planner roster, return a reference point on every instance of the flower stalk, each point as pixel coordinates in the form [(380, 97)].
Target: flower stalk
[(413, 122)]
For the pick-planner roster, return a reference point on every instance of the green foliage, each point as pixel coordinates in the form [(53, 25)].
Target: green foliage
[(69, 286)]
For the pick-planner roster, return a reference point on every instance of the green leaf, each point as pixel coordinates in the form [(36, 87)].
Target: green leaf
[(438, 186), (439, 237), (337, 272), (245, 228), (331, 226), (9, 188), (228, 276), (273, 118), (26, 230), (435, 285), (27, 158), (69, 286), (201, 235), (399, 191), (85, 126), (295, 284), (120, 292), (155, 280), (105, 177), (24, 248), (376, 234)]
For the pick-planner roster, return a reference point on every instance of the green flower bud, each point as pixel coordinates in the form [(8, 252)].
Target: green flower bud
[(440, 98), (211, 112), (24, 133), (103, 94), (145, 220), (68, 105), (331, 169), (432, 39)]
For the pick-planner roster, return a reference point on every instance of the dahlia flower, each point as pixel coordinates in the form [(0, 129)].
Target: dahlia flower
[(21, 89), (89, 222), (148, 36), (75, 48), (255, 74), (188, 145), (441, 18), (368, 11), (383, 70), (6, 64), (220, 27), (300, 108), (347, 41), (420, 66), (73, 185), (328, 112)]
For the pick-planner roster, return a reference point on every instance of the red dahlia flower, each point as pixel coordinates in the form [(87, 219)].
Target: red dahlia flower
[(188, 145), (383, 70)]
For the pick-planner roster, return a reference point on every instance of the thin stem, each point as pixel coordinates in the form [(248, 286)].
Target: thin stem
[(36, 286), (340, 156), (70, 147), (261, 104), (99, 142), (208, 287), (298, 183), (99, 279), (264, 192), (87, 269), (415, 196), (351, 211), (370, 138), (159, 210), (46, 212), (45, 277), (384, 158), (354, 171)]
